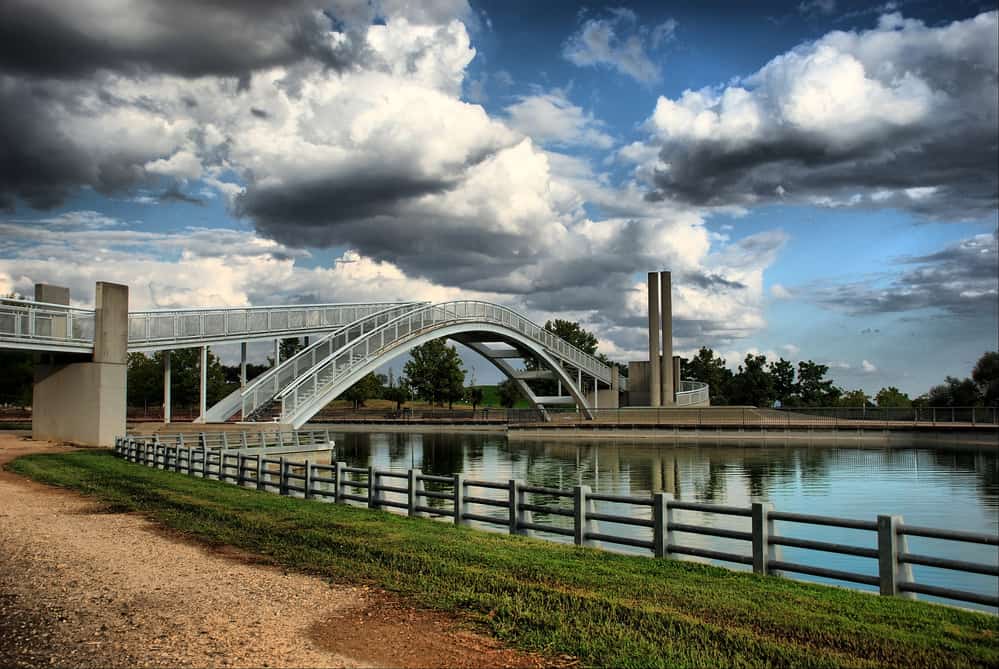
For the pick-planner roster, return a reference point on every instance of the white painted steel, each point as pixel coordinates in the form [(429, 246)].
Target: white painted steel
[(310, 392), (691, 393), (39, 326), (179, 328), (265, 387)]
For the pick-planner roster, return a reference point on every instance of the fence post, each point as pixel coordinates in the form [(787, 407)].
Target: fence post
[(338, 481), (512, 501), (240, 464), (260, 471), (308, 479), (225, 440), (411, 493), (660, 520), (327, 432), (762, 526), (242, 439), (459, 499), (294, 434), (890, 545), (578, 514), (372, 484), (263, 441), (282, 478)]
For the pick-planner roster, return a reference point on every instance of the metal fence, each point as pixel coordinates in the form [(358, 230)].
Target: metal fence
[(239, 440), (26, 324), (813, 417), (464, 500)]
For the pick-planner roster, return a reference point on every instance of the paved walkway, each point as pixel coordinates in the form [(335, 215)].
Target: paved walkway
[(83, 587)]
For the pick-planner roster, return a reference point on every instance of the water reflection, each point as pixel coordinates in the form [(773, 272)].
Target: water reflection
[(955, 489)]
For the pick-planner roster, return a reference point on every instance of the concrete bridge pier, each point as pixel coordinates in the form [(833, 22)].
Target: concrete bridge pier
[(81, 399)]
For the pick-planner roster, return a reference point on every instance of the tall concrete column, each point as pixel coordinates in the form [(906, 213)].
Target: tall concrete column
[(666, 313), (676, 374), (242, 365), (654, 384), (167, 402), (81, 399), (203, 407)]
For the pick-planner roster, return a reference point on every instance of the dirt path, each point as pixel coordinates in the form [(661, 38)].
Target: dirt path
[(85, 588)]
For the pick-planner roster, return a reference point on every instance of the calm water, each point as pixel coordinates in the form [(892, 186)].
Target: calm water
[(943, 488)]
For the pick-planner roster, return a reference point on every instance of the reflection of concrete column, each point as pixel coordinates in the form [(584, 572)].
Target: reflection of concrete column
[(666, 313), (166, 387), (654, 386), (277, 352)]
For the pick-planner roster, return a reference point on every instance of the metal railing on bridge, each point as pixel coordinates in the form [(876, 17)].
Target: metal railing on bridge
[(174, 328), (573, 515), (55, 327), (303, 392)]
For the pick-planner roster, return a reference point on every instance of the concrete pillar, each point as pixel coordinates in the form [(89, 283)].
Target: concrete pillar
[(82, 399), (167, 402), (654, 384), (53, 295), (666, 313), (615, 378), (676, 375), (277, 352), (242, 365), (203, 406)]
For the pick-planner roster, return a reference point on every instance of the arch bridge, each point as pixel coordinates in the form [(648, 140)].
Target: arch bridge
[(347, 342)]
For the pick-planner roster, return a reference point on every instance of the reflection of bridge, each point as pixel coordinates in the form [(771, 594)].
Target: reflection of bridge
[(88, 352)]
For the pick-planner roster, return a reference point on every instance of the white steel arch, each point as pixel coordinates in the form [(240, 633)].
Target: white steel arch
[(468, 320), (299, 405)]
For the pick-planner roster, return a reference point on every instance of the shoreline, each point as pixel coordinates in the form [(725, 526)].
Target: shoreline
[(943, 439)]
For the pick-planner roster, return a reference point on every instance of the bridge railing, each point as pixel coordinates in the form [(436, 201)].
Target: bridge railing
[(27, 324), (655, 523), (263, 388), (418, 321), (692, 393), (151, 330)]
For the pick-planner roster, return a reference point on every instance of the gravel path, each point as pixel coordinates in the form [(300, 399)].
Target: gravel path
[(85, 588)]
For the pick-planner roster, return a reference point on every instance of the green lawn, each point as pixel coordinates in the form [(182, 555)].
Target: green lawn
[(607, 609)]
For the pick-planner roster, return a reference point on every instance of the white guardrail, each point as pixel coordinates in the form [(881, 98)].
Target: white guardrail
[(303, 391), (692, 393), (53, 327)]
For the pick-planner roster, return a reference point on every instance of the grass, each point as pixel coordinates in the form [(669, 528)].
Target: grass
[(606, 609)]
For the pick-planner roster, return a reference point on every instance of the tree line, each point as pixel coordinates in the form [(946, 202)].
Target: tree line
[(762, 383)]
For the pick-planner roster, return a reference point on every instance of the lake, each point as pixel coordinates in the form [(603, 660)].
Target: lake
[(952, 488)]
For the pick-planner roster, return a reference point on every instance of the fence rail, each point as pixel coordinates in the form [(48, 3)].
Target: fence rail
[(27, 324), (461, 500)]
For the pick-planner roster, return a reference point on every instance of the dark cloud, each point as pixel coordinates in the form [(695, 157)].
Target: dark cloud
[(50, 38), (919, 128), (175, 194), (961, 280)]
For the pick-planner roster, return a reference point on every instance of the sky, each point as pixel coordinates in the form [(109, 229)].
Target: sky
[(820, 176)]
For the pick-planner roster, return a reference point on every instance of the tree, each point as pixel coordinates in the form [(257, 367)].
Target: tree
[(146, 374), (954, 392), (813, 388), (782, 373), (753, 385), (573, 333), (290, 347), (855, 398), (509, 393), (399, 393), (435, 372), (892, 398), (709, 369), (17, 372), (986, 377), (368, 388), (475, 396)]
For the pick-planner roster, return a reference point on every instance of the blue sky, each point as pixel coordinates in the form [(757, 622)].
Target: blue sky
[(820, 176)]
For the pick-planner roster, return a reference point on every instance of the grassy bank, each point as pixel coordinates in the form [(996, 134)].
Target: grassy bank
[(606, 609)]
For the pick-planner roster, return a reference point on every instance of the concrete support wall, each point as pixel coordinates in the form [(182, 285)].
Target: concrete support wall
[(638, 383), (654, 382), (605, 399), (666, 362), (84, 401)]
